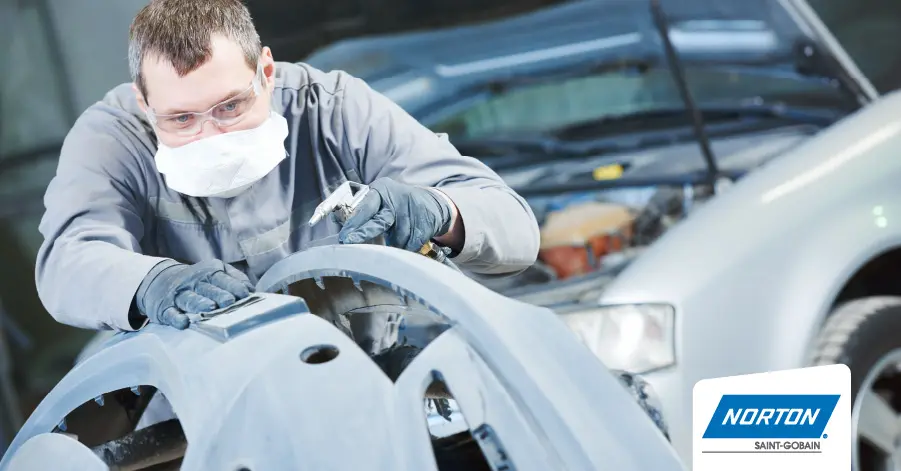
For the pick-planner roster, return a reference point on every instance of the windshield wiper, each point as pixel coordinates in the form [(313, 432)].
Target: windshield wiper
[(632, 131), (662, 118)]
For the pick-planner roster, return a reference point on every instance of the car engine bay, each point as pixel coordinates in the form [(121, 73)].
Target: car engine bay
[(588, 237)]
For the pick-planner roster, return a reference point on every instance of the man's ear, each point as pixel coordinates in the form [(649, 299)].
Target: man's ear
[(268, 66), (142, 103)]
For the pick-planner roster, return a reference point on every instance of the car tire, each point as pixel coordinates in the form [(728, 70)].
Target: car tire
[(865, 335)]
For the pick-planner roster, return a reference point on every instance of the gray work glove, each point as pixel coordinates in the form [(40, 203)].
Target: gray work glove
[(407, 215), (172, 289)]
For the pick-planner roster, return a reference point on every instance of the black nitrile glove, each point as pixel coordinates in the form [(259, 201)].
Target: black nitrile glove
[(407, 215), (172, 289)]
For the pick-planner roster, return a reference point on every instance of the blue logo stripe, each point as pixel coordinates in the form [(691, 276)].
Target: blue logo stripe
[(801, 416)]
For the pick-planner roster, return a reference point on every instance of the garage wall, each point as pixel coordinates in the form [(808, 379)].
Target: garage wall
[(93, 62), (54, 66)]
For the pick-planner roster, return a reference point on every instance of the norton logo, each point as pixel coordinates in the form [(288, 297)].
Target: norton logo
[(789, 420), (786, 423)]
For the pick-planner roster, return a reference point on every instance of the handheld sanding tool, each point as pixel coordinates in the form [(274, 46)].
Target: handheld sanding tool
[(344, 201)]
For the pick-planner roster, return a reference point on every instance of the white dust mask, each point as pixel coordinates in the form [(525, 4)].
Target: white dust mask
[(226, 164)]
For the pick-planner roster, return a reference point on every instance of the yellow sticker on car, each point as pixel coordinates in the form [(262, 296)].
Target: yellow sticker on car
[(608, 172)]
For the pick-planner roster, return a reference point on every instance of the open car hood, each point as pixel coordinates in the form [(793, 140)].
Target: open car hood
[(596, 31)]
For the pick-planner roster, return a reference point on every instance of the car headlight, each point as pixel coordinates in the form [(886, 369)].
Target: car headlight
[(630, 337)]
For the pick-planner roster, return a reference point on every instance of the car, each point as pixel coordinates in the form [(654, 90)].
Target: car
[(759, 235), (267, 384)]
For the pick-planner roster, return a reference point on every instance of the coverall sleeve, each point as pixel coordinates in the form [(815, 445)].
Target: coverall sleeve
[(501, 231), (89, 265)]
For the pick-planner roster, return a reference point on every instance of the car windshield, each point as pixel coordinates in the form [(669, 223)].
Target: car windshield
[(555, 104)]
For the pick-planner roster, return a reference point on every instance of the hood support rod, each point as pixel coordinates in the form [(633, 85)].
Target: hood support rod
[(678, 71)]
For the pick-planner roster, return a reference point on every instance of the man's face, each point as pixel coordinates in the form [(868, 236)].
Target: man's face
[(224, 84)]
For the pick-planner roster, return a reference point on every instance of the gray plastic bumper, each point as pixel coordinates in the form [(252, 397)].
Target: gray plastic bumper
[(262, 387)]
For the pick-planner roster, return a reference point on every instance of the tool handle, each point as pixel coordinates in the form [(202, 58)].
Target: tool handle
[(433, 251), (429, 249)]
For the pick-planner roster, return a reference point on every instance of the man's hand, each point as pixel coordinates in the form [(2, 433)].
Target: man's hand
[(172, 289), (407, 215)]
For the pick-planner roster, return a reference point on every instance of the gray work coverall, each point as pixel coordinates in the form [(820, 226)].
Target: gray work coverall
[(110, 216)]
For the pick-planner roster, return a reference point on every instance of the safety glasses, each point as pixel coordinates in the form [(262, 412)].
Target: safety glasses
[(224, 114)]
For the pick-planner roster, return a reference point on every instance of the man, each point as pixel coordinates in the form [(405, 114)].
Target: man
[(173, 194)]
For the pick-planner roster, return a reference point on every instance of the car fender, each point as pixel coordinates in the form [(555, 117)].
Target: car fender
[(833, 252)]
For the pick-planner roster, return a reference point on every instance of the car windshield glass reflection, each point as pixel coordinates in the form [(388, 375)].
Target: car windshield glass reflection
[(554, 104)]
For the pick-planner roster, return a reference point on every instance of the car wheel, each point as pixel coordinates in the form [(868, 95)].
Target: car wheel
[(865, 335)]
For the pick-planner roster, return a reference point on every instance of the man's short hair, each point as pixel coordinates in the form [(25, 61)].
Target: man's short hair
[(181, 31)]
